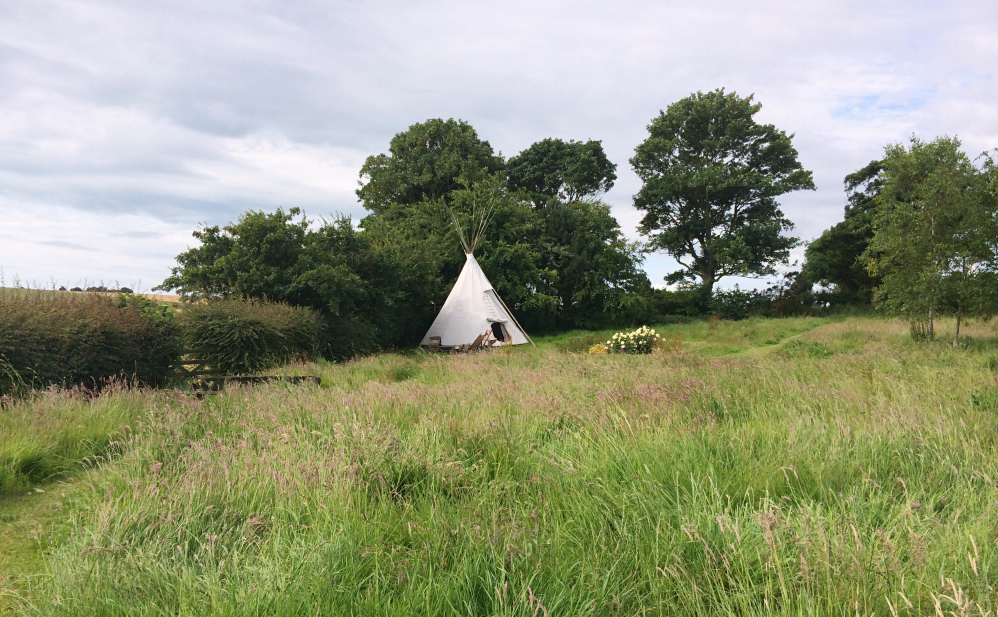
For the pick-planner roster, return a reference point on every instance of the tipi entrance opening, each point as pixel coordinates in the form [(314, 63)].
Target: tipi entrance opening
[(499, 331)]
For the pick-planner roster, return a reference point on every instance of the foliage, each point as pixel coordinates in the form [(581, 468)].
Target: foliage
[(599, 281), (83, 340), (857, 479), (711, 175), (934, 234), (509, 250), (837, 258), (569, 171), (256, 257), (736, 303), (640, 341), (240, 336), (425, 163), (790, 295), (559, 264), (369, 295)]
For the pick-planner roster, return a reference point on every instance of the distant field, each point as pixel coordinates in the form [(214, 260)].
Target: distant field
[(786, 466), (168, 298)]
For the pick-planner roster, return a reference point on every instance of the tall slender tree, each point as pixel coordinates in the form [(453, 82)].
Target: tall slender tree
[(934, 235), (837, 257)]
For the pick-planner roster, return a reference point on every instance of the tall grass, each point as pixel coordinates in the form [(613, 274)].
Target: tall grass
[(858, 480), (63, 431)]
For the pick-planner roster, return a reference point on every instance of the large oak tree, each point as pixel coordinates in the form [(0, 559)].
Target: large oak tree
[(711, 175)]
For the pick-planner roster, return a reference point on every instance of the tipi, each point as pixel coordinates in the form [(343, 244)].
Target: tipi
[(473, 313), (474, 309)]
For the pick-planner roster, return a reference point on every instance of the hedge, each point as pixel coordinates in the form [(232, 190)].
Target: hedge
[(51, 338), (242, 336)]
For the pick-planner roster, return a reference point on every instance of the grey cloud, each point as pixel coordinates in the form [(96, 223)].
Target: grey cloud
[(191, 111), (65, 245)]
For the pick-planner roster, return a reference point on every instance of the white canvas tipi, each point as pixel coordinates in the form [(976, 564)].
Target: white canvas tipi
[(472, 309), (474, 312)]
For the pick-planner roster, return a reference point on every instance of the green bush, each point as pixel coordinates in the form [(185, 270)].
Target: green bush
[(243, 336), (84, 340)]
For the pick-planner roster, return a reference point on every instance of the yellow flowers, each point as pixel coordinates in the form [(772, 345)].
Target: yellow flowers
[(598, 348)]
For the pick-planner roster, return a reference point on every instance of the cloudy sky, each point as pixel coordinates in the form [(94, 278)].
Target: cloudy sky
[(125, 124)]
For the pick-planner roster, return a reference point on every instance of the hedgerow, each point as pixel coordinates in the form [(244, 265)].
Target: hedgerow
[(242, 336), (83, 340)]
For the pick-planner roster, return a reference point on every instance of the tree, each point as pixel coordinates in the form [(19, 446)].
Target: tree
[(836, 258), (599, 281), (934, 234), (566, 170), (371, 296), (711, 175), (254, 257), (510, 250), (425, 163)]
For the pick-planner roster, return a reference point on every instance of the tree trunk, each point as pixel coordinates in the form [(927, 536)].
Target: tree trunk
[(932, 332), (707, 290), (956, 336)]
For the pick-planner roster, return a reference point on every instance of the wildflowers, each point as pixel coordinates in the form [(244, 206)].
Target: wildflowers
[(640, 341)]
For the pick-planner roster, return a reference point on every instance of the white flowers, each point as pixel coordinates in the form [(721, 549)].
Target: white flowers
[(639, 341)]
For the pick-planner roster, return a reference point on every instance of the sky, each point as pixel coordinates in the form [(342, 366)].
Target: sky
[(124, 125)]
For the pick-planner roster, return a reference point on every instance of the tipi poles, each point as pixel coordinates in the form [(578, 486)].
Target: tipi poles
[(513, 317)]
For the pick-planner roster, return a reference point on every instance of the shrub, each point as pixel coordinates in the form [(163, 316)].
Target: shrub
[(83, 339), (640, 341), (735, 304), (244, 336)]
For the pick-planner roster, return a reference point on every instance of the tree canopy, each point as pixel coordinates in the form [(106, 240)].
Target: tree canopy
[(372, 295), (561, 263), (711, 175), (568, 170), (424, 163), (837, 257), (934, 241)]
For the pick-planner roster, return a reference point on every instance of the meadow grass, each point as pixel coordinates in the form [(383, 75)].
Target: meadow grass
[(784, 467)]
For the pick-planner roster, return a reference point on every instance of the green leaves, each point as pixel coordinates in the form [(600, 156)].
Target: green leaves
[(567, 170), (837, 257), (239, 337), (425, 163), (934, 233), (371, 294), (711, 176)]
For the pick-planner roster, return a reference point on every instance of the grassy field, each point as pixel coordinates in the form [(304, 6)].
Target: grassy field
[(796, 466)]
